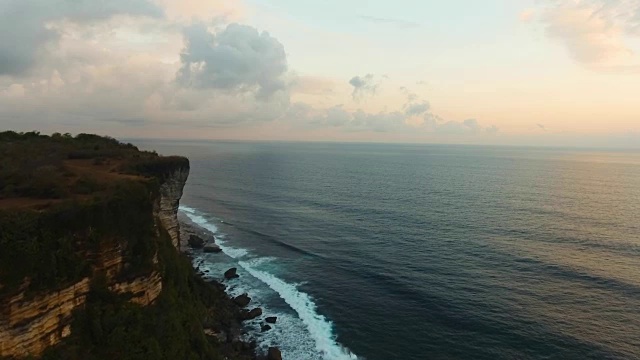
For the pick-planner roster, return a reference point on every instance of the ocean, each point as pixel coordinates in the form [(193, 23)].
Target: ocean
[(381, 251)]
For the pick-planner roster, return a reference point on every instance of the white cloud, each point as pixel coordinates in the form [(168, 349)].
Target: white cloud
[(136, 65), (596, 33), (186, 11), (415, 117), (25, 31), (238, 58), (527, 15)]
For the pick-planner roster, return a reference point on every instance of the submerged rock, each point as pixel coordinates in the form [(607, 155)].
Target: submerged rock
[(274, 354), (195, 241), (212, 248), (242, 300), (271, 319), (231, 274)]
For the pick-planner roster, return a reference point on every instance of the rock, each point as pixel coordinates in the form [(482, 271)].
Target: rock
[(271, 319), (249, 345), (211, 248), (265, 327), (242, 300), (217, 284), (254, 313), (274, 354), (231, 274), (234, 334), (195, 241)]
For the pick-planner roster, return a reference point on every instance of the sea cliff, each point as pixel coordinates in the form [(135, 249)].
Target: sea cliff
[(90, 267)]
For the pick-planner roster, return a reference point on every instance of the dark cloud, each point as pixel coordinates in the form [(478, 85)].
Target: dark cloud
[(23, 25), (363, 86), (387, 21), (238, 58)]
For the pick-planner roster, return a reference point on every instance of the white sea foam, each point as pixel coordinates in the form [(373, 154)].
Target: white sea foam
[(318, 326), (308, 335), (200, 220)]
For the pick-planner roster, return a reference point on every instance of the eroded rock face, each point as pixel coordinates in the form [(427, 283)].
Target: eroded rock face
[(167, 208), (29, 325)]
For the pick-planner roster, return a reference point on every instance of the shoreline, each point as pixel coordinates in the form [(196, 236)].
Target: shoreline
[(232, 334)]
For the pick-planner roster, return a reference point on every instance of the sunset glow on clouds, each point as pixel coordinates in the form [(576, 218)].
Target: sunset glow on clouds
[(522, 72)]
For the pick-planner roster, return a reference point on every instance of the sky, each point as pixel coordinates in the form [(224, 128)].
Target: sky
[(504, 72)]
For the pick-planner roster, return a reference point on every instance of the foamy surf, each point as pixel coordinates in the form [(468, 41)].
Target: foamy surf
[(305, 335), (318, 326), (194, 216)]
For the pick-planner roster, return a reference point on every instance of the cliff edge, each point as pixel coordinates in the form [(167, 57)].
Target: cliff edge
[(89, 267)]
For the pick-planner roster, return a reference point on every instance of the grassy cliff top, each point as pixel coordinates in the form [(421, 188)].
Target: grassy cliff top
[(63, 197), (39, 170)]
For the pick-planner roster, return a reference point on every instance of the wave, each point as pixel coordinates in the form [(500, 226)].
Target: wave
[(277, 241), (205, 224), (318, 328)]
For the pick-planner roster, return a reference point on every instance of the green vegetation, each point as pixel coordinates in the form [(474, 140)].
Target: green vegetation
[(112, 328), (61, 166), (54, 247), (64, 198), (66, 201)]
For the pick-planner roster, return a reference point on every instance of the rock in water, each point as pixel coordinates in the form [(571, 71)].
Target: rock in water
[(271, 319), (231, 274), (195, 241), (212, 248), (274, 354), (254, 313), (242, 300), (265, 327)]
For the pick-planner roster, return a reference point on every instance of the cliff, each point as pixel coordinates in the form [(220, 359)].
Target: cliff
[(97, 247), (167, 208), (28, 325)]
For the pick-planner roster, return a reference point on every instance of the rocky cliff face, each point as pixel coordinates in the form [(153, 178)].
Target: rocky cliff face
[(28, 325), (167, 207)]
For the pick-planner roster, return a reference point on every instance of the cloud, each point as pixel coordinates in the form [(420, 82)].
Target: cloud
[(387, 21), (415, 118), (312, 85), (416, 109), (595, 33), (238, 58), (363, 86), (203, 10), (25, 31), (527, 15), (96, 78), (130, 66)]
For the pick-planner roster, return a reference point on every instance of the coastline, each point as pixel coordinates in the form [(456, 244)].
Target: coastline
[(300, 331), (232, 333)]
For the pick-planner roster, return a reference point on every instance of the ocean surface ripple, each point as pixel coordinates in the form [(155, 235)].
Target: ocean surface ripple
[(425, 251)]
